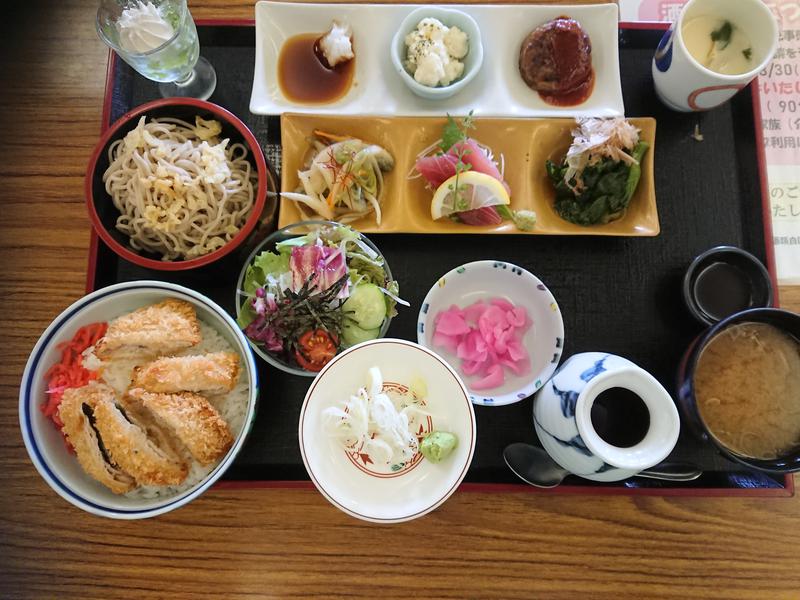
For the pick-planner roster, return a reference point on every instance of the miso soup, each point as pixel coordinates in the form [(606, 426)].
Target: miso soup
[(747, 387)]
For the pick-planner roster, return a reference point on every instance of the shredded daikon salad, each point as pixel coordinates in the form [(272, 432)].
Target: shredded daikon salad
[(376, 424)]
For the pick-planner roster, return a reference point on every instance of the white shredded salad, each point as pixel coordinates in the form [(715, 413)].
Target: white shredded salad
[(374, 423)]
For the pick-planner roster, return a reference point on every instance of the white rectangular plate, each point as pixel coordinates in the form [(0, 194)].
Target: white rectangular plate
[(497, 91)]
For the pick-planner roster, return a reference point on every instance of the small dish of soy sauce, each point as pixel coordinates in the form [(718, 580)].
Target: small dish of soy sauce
[(723, 281)]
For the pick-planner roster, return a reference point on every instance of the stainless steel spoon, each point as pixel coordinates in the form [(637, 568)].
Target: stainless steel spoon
[(534, 466)]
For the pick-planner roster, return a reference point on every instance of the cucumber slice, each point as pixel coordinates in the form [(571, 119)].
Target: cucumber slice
[(352, 334), (366, 306)]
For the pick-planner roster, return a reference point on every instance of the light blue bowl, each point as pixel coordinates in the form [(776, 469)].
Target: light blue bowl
[(472, 61)]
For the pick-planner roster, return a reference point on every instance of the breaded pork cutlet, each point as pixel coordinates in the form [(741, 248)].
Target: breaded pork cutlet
[(163, 328), (213, 373), (192, 418), (129, 446), (76, 411)]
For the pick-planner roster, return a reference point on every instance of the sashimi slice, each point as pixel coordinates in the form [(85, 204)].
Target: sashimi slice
[(486, 215), (437, 169), (473, 155), (321, 265)]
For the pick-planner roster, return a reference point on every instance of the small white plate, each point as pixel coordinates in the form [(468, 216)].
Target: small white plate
[(367, 491), (486, 279), (497, 90)]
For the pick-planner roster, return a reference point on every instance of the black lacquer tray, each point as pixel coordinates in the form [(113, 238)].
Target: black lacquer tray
[(619, 295)]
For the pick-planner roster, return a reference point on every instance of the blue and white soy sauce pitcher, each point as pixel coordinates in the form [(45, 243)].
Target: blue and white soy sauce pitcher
[(604, 418)]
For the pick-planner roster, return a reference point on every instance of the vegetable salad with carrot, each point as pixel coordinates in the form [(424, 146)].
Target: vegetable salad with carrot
[(343, 179)]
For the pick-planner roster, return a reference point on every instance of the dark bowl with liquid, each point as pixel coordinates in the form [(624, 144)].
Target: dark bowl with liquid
[(723, 281), (786, 321)]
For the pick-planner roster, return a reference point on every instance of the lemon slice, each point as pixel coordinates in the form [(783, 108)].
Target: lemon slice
[(476, 190)]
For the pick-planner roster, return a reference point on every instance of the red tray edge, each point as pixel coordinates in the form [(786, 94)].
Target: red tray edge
[(569, 490), (785, 492)]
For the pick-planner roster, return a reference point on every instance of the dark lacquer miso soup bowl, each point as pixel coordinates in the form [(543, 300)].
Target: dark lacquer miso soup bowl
[(739, 388)]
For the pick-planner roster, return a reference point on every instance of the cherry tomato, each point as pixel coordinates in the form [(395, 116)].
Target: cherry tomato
[(315, 349)]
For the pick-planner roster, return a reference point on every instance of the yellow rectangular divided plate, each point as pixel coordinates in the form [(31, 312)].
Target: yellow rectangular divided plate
[(523, 144)]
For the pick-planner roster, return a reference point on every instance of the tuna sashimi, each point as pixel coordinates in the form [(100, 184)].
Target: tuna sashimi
[(486, 215), (477, 159), (439, 168), (486, 337)]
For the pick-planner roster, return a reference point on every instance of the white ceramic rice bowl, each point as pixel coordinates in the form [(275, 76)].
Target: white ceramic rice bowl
[(485, 279), (391, 499), (45, 444)]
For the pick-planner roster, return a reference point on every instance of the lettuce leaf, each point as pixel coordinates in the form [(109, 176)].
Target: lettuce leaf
[(266, 263), (271, 263), (246, 313)]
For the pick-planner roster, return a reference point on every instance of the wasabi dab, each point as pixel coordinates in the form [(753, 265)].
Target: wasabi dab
[(438, 445)]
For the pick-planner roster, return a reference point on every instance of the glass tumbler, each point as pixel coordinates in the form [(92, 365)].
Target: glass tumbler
[(158, 39)]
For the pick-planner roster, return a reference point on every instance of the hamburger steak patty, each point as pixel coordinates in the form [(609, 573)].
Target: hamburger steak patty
[(556, 57)]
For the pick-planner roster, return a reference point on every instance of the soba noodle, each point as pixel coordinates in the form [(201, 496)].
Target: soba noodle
[(180, 191)]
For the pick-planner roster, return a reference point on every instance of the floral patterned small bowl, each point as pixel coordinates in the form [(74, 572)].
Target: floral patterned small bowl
[(349, 478), (485, 280)]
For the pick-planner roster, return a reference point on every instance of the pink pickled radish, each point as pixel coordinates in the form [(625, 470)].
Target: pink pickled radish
[(451, 323), (493, 379), (445, 341), (486, 337)]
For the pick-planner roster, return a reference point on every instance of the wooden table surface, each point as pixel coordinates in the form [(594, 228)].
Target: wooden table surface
[(292, 543)]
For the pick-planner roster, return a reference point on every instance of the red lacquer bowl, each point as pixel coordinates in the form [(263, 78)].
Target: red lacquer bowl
[(103, 213)]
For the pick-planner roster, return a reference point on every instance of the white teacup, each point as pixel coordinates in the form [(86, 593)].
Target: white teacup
[(683, 83)]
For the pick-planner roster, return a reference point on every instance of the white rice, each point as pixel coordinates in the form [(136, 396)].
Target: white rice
[(231, 406)]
